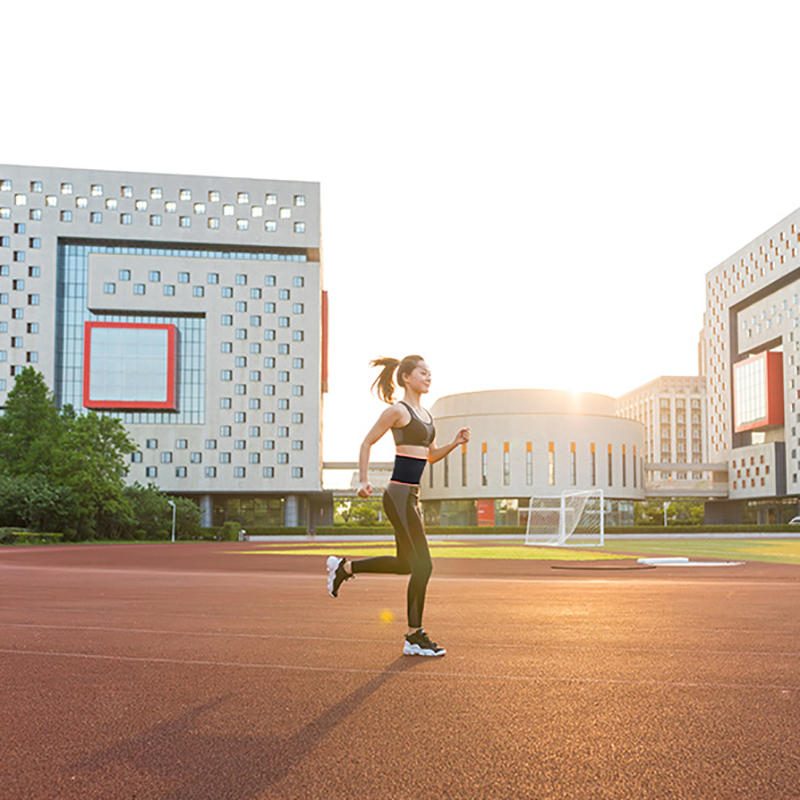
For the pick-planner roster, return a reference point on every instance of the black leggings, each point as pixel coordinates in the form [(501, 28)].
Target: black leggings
[(401, 503)]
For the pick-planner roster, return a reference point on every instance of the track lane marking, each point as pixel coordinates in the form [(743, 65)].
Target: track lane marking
[(460, 643), (416, 674)]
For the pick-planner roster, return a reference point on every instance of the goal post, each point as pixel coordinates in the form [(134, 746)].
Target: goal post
[(573, 518)]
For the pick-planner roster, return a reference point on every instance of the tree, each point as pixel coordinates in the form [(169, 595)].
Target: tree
[(92, 464), (31, 427)]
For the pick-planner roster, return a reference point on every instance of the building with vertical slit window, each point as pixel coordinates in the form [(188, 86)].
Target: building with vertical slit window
[(527, 442)]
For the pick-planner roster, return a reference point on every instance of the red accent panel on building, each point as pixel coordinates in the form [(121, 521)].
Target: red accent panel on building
[(485, 509), (324, 341), (170, 404), (773, 387)]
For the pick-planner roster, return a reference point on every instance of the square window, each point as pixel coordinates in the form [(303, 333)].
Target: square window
[(185, 222), (111, 204), (169, 290), (154, 276), (285, 213), (36, 186), (213, 223), (126, 219), (96, 190), (199, 208), (126, 191), (299, 227), (66, 188), (271, 199), (129, 366), (270, 226), (227, 210), (198, 291), (66, 216), (156, 192), (170, 206), (50, 200), (138, 288), (81, 202), (211, 472), (185, 194), (299, 200), (109, 288), (96, 217), (212, 277), (213, 196), (155, 220), (183, 277), (140, 205), (124, 274), (256, 211), (242, 224)]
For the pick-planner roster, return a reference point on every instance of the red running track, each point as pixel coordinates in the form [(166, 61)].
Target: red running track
[(193, 671)]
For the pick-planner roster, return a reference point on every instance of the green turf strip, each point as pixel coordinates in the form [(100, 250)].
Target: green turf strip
[(776, 551), (449, 550)]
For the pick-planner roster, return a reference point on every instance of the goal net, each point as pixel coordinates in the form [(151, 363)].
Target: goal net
[(574, 518)]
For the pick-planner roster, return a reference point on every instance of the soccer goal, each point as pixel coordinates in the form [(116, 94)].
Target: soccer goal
[(574, 518)]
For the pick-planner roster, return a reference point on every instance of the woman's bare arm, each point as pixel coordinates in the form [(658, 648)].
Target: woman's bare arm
[(438, 453), (385, 421)]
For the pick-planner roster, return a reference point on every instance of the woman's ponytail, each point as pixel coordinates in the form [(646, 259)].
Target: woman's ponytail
[(385, 381)]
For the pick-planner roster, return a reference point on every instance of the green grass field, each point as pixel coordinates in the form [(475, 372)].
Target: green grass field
[(440, 550), (777, 551)]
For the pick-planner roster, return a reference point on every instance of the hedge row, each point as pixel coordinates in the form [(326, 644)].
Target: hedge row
[(15, 536)]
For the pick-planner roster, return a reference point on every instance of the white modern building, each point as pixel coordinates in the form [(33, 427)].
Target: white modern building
[(190, 307), (751, 347), (528, 442), (673, 411)]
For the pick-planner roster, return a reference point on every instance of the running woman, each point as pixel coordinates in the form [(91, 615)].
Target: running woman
[(414, 436)]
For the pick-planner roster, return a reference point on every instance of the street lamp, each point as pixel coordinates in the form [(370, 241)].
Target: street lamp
[(172, 503)]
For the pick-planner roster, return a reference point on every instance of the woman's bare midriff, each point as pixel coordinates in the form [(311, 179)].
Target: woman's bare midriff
[(412, 450)]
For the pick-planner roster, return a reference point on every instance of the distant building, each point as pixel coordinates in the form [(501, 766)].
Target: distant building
[(752, 363), (529, 442), (189, 307), (673, 412)]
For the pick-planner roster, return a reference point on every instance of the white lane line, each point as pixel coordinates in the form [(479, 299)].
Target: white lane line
[(265, 575), (460, 643), (415, 674)]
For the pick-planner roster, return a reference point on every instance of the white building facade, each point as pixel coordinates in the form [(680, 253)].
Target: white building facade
[(752, 363), (190, 307), (530, 442)]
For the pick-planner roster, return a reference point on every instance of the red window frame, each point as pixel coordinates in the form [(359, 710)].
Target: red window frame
[(133, 405)]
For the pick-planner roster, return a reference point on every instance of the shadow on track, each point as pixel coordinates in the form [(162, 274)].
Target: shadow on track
[(189, 764)]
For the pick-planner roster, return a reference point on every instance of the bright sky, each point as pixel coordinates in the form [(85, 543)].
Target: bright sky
[(529, 195)]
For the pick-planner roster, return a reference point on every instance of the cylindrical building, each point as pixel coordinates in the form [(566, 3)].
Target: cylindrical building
[(528, 442)]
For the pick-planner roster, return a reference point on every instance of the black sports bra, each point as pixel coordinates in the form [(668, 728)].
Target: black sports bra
[(417, 432)]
